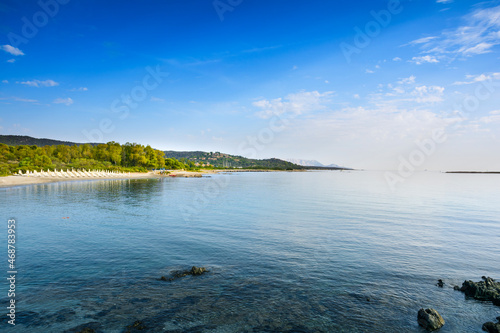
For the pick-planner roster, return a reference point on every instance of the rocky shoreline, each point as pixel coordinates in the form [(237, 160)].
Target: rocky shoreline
[(487, 290)]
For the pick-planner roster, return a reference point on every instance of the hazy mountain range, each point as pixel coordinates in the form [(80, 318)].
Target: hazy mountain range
[(313, 163)]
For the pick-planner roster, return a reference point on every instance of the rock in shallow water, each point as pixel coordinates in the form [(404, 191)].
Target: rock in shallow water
[(135, 327), (491, 327), (198, 270), (486, 290), (430, 319), (92, 327), (193, 271)]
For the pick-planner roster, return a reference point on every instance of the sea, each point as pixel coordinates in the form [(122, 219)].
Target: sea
[(315, 251)]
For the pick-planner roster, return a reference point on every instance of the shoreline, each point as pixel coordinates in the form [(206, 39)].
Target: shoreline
[(16, 180), (475, 172), (13, 181)]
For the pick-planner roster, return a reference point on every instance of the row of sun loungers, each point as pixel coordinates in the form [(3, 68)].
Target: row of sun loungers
[(73, 174)]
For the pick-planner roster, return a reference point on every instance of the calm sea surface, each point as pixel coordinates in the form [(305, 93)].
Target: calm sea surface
[(286, 252)]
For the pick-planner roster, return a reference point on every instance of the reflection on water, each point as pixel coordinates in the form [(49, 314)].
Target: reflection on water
[(287, 252)]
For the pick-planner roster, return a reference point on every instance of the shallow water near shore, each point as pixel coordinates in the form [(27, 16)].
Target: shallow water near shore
[(286, 252)]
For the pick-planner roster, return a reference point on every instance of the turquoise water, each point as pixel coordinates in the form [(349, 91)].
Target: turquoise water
[(287, 252)]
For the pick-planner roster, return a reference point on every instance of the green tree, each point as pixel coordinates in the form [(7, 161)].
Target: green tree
[(115, 152)]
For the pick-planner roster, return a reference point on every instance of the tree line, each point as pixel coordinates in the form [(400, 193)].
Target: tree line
[(110, 156)]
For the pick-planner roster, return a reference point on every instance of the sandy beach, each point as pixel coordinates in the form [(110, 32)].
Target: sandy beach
[(10, 181)]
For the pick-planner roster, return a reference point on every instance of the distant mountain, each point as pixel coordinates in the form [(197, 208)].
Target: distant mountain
[(18, 140), (311, 163), (304, 162), (333, 166)]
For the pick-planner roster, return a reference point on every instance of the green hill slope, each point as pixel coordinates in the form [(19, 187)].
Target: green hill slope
[(23, 140), (221, 160), (194, 158)]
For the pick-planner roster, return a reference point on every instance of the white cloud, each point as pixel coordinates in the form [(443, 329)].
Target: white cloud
[(444, 1), (12, 50), (424, 59), (5, 81), (399, 97), (478, 49), (27, 100), (399, 90), (355, 126), (38, 83), (494, 117), (19, 99), (478, 78), (422, 40), (294, 68), (156, 99), (428, 94), (369, 71), (396, 59), (356, 96), (479, 34), (11, 61), (293, 104), (408, 80), (79, 89), (67, 101)]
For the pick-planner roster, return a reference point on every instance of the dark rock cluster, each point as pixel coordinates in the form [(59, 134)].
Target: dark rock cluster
[(195, 271), (491, 327), (486, 290)]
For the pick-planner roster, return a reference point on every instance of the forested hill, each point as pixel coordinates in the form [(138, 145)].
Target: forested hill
[(105, 156), (192, 158), (23, 140), (221, 160)]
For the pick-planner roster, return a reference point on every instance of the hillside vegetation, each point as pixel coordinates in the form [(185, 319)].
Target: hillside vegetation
[(188, 159), (221, 160), (23, 140), (109, 156)]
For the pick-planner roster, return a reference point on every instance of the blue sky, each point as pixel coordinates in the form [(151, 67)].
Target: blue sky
[(366, 84)]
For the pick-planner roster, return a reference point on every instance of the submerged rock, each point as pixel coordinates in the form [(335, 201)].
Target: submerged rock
[(87, 330), (491, 327), (136, 326), (92, 327), (440, 283), (486, 290), (430, 319), (193, 271)]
